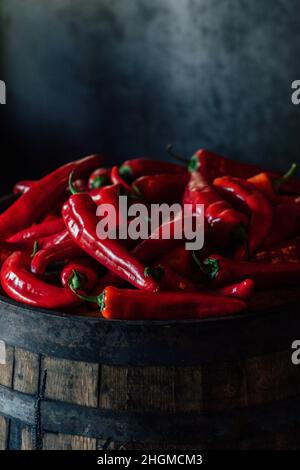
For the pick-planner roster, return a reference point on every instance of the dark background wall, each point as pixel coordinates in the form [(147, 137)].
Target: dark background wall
[(128, 76)]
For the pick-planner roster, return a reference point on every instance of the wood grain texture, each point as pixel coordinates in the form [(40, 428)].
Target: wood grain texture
[(7, 370), (210, 388), (3, 432), (66, 442), (26, 372), (72, 382), (27, 439), (271, 377)]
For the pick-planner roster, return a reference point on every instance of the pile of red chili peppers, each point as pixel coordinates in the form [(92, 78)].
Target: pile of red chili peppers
[(51, 257)]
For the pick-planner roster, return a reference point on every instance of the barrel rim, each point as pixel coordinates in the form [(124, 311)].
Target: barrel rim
[(139, 343)]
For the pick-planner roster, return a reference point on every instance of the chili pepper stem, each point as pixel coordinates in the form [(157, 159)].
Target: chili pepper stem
[(157, 272), (71, 184), (169, 149), (99, 299), (76, 280), (35, 249), (209, 266), (277, 183), (125, 171)]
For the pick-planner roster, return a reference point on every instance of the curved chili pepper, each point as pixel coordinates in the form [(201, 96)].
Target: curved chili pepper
[(164, 188), (212, 166), (174, 272), (110, 195), (128, 304), (116, 178), (133, 169), (22, 187), (241, 290), (157, 244), (263, 182), (170, 280), (39, 231), (53, 254), (80, 185), (226, 224), (224, 271), (55, 239), (270, 186), (21, 285), (180, 260), (35, 202), (285, 252), (99, 178), (249, 199), (79, 215), (7, 248), (80, 274)]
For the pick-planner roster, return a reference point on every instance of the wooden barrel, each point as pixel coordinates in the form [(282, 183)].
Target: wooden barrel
[(72, 382)]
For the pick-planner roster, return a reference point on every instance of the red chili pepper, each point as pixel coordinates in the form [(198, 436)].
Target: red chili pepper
[(108, 279), (7, 248), (35, 202), (22, 187), (39, 231), (241, 290), (158, 244), (99, 178), (116, 178), (180, 260), (133, 169), (79, 214), (224, 271), (285, 252), (164, 188), (263, 182), (270, 186), (53, 254), (212, 166), (169, 274), (110, 195), (128, 304), (21, 285), (55, 239), (107, 195), (170, 280), (226, 224), (249, 199), (80, 185), (80, 274)]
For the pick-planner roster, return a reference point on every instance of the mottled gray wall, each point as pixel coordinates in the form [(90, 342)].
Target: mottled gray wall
[(128, 76)]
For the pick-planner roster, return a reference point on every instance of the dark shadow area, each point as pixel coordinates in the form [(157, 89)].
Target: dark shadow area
[(126, 78)]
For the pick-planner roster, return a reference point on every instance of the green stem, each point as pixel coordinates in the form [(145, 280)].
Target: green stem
[(100, 181), (277, 183), (71, 184), (99, 299), (169, 149), (157, 272), (35, 249), (209, 267)]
